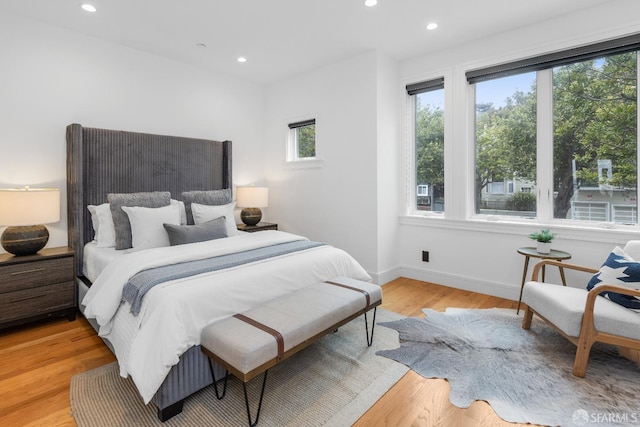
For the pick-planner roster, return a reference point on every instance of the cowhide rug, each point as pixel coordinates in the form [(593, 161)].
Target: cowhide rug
[(524, 375)]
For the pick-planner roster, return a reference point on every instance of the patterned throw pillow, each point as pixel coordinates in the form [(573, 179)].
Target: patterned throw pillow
[(621, 270)]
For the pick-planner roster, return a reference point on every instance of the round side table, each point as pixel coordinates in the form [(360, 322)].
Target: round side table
[(530, 252)]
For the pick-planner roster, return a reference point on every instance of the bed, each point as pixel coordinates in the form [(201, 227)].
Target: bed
[(156, 338)]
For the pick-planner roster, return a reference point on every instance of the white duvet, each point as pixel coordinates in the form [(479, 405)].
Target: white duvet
[(174, 313)]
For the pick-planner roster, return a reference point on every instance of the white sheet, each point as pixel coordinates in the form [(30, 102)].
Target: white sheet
[(95, 259), (174, 313)]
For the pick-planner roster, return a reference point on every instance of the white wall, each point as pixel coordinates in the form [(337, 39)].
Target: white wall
[(481, 255), (51, 77), (337, 202), (389, 194)]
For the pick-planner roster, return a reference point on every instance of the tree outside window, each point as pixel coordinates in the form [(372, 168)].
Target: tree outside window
[(429, 149), (595, 137), (306, 138), (505, 143), (302, 140)]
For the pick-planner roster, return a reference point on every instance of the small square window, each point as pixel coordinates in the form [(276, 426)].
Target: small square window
[(302, 140)]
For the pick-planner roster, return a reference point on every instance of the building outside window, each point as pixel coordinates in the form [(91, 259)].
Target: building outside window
[(565, 130), (427, 102)]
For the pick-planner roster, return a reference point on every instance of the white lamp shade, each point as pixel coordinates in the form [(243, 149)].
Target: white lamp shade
[(252, 197), (29, 206)]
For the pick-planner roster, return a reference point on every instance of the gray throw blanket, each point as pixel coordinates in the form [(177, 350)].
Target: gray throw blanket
[(139, 284)]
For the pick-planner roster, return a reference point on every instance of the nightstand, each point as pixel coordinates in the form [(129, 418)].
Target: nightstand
[(37, 286), (261, 226)]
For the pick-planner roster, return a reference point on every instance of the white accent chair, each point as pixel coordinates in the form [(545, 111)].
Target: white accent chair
[(584, 317)]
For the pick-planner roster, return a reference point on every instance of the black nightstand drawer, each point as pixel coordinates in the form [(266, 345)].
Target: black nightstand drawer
[(23, 303), (17, 277)]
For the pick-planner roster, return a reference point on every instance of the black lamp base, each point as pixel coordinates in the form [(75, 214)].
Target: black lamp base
[(24, 240), (251, 216)]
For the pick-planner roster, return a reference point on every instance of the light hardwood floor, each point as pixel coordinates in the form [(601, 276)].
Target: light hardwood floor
[(37, 362)]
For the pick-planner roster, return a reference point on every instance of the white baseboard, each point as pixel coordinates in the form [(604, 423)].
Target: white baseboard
[(502, 290), (385, 276)]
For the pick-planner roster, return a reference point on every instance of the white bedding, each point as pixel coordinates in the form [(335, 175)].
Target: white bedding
[(95, 259), (173, 313)]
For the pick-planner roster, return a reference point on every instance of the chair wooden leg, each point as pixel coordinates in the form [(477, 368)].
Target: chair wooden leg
[(582, 356), (526, 320)]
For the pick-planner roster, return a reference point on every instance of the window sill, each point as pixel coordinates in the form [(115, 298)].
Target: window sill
[(304, 164), (593, 232)]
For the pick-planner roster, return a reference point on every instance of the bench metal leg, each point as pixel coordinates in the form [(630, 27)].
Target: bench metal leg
[(244, 388), (373, 325), (215, 383), (246, 400)]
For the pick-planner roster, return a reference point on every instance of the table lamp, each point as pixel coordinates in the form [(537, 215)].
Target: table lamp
[(24, 211), (252, 199)]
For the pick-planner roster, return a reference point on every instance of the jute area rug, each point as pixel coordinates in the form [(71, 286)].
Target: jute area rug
[(526, 376), (332, 382)]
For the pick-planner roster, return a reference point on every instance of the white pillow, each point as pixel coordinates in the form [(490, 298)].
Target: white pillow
[(183, 211), (104, 230), (147, 229), (205, 213)]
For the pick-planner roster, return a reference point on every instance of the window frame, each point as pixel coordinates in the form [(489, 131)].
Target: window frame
[(292, 158), (411, 185)]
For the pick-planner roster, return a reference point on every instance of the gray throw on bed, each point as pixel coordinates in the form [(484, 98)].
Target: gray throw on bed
[(142, 282)]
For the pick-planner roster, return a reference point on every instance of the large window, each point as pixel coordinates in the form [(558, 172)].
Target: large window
[(563, 129), (595, 138), (428, 105), (505, 149)]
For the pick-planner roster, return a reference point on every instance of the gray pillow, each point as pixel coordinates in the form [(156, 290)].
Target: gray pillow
[(210, 197), (210, 230), (156, 199)]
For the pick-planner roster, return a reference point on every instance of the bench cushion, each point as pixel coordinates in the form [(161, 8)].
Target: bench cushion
[(298, 317), (563, 306)]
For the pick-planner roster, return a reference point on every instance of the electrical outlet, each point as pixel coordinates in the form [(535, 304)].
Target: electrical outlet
[(425, 256)]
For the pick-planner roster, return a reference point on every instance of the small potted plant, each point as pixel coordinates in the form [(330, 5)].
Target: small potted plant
[(544, 238)]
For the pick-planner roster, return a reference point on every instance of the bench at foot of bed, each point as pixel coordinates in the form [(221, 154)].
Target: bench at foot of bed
[(250, 343)]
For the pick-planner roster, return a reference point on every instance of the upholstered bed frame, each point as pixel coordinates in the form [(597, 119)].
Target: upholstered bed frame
[(102, 161)]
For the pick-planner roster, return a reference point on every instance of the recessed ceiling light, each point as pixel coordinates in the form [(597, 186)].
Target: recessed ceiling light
[(89, 7), (370, 3), (242, 59), (432, 26)]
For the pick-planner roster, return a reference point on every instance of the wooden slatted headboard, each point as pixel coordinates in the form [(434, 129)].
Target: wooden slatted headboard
[(103, 161)]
